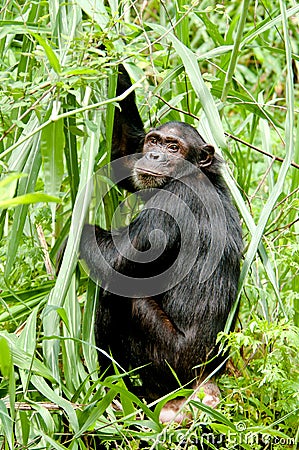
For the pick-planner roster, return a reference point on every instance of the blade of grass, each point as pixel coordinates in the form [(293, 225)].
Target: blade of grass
[(57, 296), (7, 425), (89, 351), (278, 187), (74, 372), (52, 57), (235, 52), (26, 186), (190, 62), (289, 138), (268, 24), (52, 148), (96, 10), (52, 396), (28, 199), (70, 149)]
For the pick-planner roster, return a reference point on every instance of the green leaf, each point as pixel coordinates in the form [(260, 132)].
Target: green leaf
[(57, 296), (79, 71), (53, 442), (216, 415), (27, 199), (52, 146), (55, 398), (52, 58), (26, 185), (7, 424), (5, 357), (267, 24), (24, 360), (8, 185), (212, 29), (190, 62), (96, 10)]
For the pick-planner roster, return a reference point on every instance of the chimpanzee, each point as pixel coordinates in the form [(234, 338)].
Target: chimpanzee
[(170, 278)]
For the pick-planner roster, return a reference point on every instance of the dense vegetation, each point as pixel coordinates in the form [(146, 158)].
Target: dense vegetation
[(230, 69)]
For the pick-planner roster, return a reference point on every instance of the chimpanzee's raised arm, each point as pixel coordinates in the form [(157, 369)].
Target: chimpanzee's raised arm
[(128, 132)]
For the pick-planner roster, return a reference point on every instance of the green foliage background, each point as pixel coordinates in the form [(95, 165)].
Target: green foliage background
[(231, 70)]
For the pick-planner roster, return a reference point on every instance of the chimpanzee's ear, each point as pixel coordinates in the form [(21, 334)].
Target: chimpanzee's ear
[(206, 155)]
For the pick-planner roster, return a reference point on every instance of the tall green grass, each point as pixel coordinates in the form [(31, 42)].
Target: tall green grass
[(228, 69)]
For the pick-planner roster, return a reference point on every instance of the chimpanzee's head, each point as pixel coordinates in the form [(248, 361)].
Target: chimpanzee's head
[(164, 150)]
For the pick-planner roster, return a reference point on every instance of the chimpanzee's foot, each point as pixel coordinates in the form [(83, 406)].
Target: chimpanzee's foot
[(174, 409)]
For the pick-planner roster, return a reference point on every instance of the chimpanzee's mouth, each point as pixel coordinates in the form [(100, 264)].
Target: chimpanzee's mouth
[(148, 172)]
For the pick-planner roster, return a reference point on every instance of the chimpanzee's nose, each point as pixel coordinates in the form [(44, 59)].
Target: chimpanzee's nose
[(157, 156)]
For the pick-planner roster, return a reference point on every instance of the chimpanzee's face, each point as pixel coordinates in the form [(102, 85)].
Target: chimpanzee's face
[(164, 151)]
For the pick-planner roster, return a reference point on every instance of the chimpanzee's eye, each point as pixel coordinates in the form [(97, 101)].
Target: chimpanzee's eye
[(173, 148), (153, 140)]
